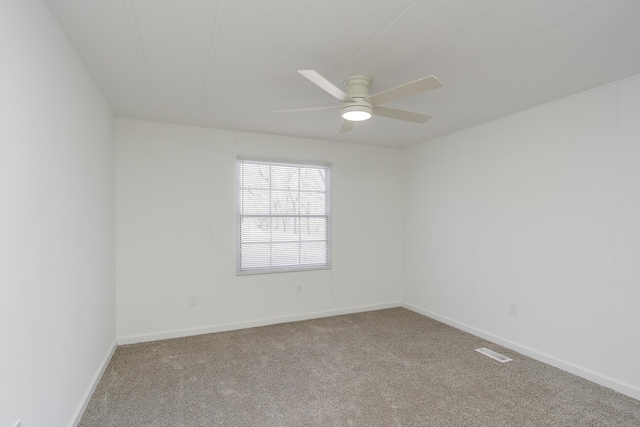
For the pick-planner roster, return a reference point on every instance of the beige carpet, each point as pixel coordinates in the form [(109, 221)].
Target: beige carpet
[(382, 368)]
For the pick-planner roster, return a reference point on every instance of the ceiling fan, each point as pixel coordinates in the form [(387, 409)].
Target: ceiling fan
[(357, 105)]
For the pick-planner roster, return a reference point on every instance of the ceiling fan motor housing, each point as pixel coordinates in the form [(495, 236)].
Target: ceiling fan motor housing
[(357, 90), (358, 86)]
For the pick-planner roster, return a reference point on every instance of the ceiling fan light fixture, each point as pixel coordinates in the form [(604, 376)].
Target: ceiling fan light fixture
[(356, 116), (356, 113)]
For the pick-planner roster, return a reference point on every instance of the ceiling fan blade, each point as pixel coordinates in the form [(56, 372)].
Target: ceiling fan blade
[(408, 116), (325, 84), (301, 110), (408, 89), (347, 125)]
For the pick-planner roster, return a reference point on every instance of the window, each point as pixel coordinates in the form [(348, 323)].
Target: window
[(284, 216)]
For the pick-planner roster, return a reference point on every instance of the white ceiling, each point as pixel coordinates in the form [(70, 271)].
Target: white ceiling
[(228, 64)]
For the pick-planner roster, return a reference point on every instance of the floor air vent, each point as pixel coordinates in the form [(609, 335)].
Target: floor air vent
[(492, 354)]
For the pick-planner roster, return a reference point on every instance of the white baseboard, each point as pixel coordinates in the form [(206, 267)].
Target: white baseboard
[(604, 380), (82, 406), (133, 339)]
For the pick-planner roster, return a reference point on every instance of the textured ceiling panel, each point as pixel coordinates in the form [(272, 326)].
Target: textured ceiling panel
[(487, 78), (255, 35), (411, 37), (101, 34), (487, 38), (229, 63), (176, 41), (338, 30)]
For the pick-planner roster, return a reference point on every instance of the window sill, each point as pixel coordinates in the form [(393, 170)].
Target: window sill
[(284, 270)]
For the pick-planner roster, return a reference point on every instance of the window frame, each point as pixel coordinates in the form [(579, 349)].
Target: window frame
[(240, 160)]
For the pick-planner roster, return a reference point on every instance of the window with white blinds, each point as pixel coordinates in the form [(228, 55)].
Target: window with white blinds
[(284, 216)]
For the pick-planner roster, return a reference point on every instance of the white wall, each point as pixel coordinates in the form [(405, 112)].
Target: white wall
[(57, 291), (176, 232), (541, 208)]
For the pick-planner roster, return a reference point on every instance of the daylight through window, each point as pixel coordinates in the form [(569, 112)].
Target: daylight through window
[(284, 216)]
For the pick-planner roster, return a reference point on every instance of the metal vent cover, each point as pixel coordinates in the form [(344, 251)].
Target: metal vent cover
[(492, 354)]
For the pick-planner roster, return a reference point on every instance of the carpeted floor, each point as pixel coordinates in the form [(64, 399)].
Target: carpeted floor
[(382, 368)]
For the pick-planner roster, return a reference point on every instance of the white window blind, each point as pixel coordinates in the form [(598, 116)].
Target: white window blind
[(284, 216)]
